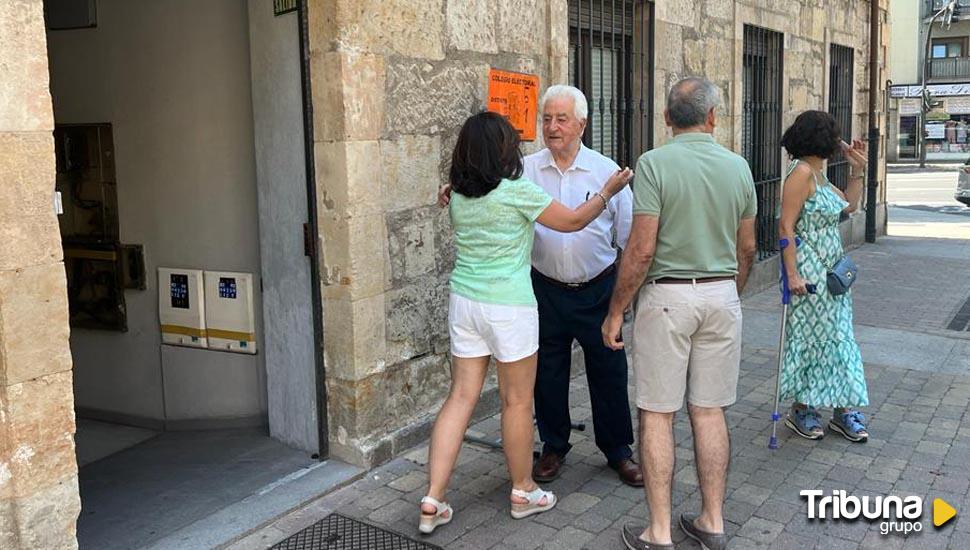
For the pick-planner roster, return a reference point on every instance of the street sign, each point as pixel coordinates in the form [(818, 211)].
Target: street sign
[(909, 107)]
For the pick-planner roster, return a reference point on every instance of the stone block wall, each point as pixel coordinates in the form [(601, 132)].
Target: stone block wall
[(38, 473), (706, 37), (393, 80)]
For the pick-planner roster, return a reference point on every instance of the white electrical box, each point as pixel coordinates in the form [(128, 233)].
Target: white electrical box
[(181, 307), (230, 324)]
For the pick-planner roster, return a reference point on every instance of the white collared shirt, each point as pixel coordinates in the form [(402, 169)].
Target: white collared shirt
[(580, 256)]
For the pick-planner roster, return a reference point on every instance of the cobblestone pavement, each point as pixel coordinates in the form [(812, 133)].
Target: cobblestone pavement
[(920, 445)]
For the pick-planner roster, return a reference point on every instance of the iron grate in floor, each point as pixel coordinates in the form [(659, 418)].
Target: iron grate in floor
[(337, 532), (961, 321)]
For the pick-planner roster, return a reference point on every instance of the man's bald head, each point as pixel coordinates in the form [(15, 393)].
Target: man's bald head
[(690, 101)]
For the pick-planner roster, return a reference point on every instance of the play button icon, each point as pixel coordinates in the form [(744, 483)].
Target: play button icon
[(942, 512)]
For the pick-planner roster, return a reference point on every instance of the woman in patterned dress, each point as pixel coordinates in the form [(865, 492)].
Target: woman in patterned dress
[(822, 366)]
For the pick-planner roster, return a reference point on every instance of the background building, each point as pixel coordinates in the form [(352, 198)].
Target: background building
[(304, 148), (947, 77)]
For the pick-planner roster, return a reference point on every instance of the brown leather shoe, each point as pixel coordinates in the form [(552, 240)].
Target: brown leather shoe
[(547, 468), (629, 472)]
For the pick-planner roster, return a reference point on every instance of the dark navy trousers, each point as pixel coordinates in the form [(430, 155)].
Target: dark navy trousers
[(566, 315)]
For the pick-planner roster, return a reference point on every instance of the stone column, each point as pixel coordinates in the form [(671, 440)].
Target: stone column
[(348, 107), (39, 501), (393, 80)]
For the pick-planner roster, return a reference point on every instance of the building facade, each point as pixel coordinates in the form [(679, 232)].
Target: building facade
[(304, 149), (939, 48)]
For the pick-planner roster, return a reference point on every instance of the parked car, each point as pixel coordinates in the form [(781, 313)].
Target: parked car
[(963, 184)]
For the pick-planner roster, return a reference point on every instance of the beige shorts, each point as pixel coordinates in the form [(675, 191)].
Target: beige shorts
[(687, 342)]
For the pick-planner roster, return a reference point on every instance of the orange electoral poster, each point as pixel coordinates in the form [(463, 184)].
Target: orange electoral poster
[(516, 96)]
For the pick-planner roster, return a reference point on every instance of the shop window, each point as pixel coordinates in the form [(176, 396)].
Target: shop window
[(908, 136), (947, 134)]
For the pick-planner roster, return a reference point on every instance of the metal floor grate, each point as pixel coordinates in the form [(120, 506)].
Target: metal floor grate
[(961, 321), (337, 532)]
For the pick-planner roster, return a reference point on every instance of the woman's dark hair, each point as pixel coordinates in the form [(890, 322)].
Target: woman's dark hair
[(814, 133), (486, 153)]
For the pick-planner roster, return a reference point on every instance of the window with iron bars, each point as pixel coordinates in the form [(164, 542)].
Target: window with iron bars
[(841, 90), (761, 128), (611, 61)]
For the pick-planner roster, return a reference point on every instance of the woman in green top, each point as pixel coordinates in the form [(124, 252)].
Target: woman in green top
[(822, 366), (492, 311)]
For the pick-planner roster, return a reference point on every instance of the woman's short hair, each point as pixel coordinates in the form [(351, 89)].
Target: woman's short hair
[(814, 133), (487, 152)]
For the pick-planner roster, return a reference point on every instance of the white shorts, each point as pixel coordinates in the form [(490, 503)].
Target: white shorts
[(508, 333)]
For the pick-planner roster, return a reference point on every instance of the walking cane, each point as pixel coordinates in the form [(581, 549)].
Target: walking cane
[(785, 300)]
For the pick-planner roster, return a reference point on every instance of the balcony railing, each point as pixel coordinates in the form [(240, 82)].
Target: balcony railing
[(949, 69)]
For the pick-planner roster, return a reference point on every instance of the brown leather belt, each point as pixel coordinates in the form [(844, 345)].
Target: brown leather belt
[(701, 280), (576, 286)]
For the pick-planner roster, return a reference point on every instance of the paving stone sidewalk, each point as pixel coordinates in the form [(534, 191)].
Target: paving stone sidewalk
[(920, 445)]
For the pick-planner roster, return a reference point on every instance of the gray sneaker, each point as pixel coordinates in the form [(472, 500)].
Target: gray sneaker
[(707, 540), (852, 426), (632, 540), (805, 422)]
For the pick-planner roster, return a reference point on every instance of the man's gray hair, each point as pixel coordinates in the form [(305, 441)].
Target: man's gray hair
[(690, 100), (559, 91)]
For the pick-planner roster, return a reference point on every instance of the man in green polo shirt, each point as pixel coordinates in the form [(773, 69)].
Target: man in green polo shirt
[(693, 242)]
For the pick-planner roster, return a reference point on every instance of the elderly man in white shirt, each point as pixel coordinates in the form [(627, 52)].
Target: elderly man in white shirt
[(573, 275)]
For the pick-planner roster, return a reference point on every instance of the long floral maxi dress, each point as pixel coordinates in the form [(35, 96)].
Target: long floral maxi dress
[(822, 364)]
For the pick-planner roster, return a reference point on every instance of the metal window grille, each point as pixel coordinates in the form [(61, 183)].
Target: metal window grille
[(611, 61), (283, 6), (761, 131), (841, 90)]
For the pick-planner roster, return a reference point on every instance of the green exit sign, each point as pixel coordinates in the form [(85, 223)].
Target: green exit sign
[(283, 6)]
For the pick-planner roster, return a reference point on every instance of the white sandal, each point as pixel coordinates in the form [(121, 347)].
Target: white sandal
[(532, 506), (442, 515)]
